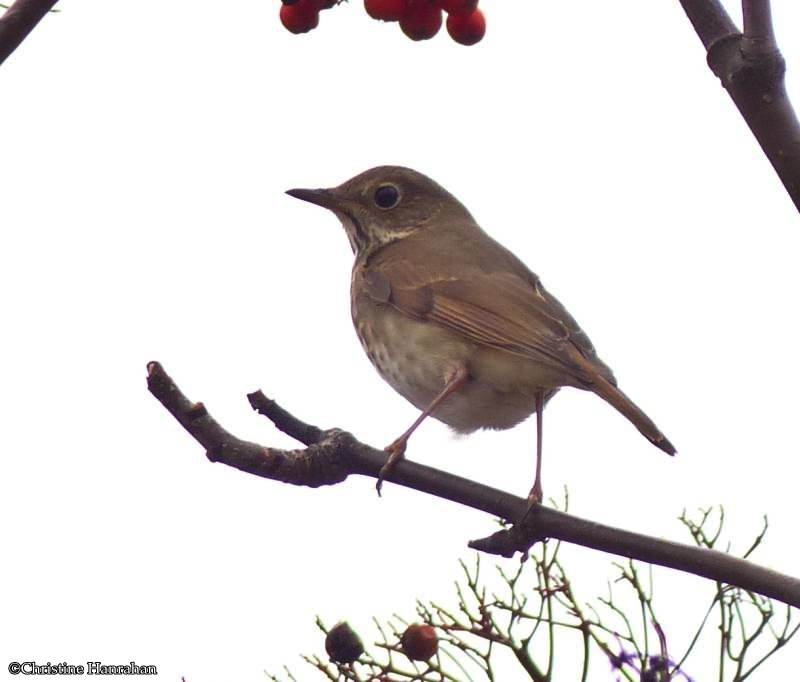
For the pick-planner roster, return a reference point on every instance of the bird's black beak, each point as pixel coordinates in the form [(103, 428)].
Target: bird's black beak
[(320, 197)]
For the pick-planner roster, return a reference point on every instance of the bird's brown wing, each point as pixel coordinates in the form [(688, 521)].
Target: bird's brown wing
[(501, 309), (501, 304)]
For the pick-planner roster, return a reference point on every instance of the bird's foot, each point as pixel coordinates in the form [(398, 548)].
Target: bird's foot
[(535, 497), (396, 450)]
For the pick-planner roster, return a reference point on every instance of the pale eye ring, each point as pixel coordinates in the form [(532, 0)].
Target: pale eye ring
[(386, 196)]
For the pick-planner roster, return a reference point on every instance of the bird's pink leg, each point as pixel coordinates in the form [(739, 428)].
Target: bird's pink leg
[(535, 496), (397, 448)]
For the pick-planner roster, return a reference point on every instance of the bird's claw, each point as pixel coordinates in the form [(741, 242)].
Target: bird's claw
[(396, 450)]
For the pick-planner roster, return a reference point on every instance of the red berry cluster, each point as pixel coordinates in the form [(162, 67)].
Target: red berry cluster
[(422, 19), (419, 19)]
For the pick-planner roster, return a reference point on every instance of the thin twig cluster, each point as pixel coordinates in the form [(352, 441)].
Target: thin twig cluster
[(750, 627), (533, 614)]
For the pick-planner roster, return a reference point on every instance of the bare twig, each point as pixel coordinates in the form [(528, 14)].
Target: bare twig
[(332, 455)]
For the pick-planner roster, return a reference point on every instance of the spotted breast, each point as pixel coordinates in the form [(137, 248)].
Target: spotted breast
[(416, 358)]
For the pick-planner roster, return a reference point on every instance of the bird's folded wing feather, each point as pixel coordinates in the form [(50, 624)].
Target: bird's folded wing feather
[(498, 309)]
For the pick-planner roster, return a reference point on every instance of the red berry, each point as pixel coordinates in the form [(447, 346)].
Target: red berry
[(300, 17), (467, 29), (386, 10), (459, 6), (422, 20), (419, 642)]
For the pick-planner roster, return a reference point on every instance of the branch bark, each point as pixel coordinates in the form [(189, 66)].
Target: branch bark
[(18, 21), (330, 456), (752, 69)]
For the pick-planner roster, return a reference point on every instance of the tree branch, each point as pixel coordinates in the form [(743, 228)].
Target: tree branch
[(709, 19), (330, 456), (751, 68), (18, 21)]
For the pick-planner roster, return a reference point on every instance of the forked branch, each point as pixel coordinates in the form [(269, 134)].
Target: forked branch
[(751, 69), (330, 456)]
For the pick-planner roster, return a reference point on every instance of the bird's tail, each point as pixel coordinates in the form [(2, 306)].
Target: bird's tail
[(611, 394)]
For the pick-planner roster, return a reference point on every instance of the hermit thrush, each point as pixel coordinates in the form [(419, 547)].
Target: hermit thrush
[(452, 320)]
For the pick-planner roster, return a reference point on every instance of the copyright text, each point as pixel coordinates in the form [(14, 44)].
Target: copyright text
[(88, 668)]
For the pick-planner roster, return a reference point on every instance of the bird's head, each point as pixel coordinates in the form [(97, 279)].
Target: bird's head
[(385, 204)]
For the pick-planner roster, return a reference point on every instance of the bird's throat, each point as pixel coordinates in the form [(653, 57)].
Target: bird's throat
[(355, 232)]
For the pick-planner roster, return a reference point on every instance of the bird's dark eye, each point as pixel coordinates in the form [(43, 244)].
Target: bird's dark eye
[(387, 196)]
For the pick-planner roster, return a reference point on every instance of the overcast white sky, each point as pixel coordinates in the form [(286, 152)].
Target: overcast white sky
[(145, 150)]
